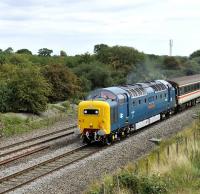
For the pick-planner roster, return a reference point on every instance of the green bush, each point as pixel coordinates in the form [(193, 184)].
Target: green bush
[(24, 89), (153, 185), (128, 180), (66, 104), (64, 82)]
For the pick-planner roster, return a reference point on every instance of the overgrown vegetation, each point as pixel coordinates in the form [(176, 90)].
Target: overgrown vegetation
[(12, 123), (172, 168), (28, 82)]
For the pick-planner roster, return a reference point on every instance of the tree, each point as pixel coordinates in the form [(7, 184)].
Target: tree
[(171, 63), (45, 52), (9, 50), (96, 72), (5, 96), (65, 83), (85, 58), (23, 89), (3, 58), (120, 58), (63, 53), (195, 54), (24, 51), (99, 47)]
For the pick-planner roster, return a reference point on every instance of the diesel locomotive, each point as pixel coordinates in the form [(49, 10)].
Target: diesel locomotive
[(111, 113)]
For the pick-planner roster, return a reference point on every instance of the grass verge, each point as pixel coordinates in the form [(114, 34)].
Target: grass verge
[(14, 123), (174, 167)]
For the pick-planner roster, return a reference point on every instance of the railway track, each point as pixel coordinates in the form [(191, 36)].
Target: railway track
[(28, 175), (25, 176), (30, 146)]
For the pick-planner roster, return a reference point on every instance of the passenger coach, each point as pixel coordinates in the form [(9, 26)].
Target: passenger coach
[(187, 90)]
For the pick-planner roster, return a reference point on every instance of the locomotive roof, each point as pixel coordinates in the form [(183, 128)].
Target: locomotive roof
[(186, 80), (140, 89), (133, 90)]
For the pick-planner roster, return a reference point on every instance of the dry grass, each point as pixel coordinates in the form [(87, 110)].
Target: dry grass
[(173, 168)]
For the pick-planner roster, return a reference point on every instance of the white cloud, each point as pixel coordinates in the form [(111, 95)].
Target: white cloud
[(76, 25)]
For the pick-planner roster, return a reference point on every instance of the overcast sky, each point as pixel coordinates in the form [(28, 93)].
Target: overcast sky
[(77, 25)]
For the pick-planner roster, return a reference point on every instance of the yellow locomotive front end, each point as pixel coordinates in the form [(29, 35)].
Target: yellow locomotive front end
[(94, 120)]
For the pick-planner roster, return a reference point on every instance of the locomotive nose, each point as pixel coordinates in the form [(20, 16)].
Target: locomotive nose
[(94, 116)]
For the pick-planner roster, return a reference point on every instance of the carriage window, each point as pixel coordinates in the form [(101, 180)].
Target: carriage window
[(139, 101), (185, 89), (145, 100), (161, 96), (165, 95), (134, 103), (181, 91), (91, 111), (156, 97), (196, 86)]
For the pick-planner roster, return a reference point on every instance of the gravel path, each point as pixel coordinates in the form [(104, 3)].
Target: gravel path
[(76, 177)]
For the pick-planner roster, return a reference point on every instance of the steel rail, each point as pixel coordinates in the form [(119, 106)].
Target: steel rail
[(8, 160), (36, 138), (28, 175), (35, 144)]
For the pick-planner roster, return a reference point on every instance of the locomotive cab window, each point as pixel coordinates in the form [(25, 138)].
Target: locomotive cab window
[(121, 98), (91, 112)]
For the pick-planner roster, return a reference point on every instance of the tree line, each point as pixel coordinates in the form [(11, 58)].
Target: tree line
[(28, 82)]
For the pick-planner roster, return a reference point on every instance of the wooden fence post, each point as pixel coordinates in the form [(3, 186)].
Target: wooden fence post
[(147, 166), (104, 188), (118, 186), (194, 140), (177, 148), (136, 169), (186, 146), (158, 158), (168, 151)]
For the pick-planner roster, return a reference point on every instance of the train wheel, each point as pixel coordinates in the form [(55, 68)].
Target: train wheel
[(127, 132), (105, 141), (86, 140)]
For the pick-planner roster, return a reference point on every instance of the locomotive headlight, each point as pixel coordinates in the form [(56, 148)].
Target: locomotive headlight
[(85, 111), (96, 112)]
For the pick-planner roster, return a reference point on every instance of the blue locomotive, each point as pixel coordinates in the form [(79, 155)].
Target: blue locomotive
[(113, 112)]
